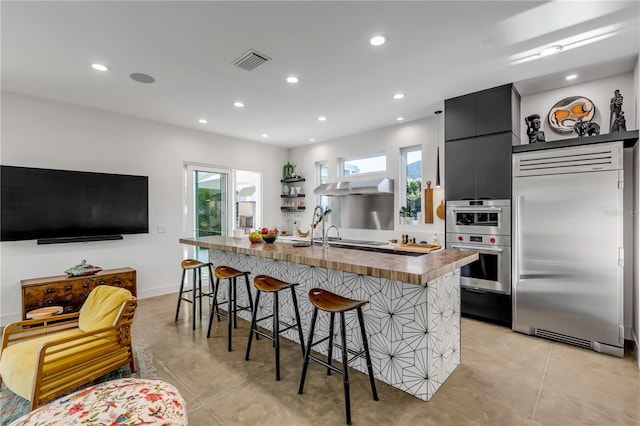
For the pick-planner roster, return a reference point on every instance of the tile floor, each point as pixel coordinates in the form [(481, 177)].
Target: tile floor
[(505, 378)]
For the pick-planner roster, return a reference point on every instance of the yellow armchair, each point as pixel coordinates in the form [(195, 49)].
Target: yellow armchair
[(43, 360)]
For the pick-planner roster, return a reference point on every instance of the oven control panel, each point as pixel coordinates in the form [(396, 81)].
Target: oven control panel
[(488, 240)]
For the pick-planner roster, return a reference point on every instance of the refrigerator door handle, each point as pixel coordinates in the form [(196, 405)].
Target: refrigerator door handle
[(517, 238)]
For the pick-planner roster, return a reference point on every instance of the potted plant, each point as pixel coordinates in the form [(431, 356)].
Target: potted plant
[(406, 215)]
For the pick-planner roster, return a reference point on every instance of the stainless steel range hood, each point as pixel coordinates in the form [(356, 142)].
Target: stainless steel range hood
[(356, 187)]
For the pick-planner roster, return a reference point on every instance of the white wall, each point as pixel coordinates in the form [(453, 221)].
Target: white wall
[(40, 133), (389, 141), (600, 92)]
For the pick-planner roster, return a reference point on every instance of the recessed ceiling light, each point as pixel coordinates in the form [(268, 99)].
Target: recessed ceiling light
[(312, 140), (203, 121), (377, 40), (400, 118), (292, 79), (322, 118), (99, 67), (264, 135), (551, 50), (238, 104), (142, 78), (399, 96), (572, 77)]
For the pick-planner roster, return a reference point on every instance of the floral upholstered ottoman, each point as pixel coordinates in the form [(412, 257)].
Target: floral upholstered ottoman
[(117, 402)]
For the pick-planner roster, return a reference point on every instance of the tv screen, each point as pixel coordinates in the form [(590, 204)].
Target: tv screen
[(79, 206)]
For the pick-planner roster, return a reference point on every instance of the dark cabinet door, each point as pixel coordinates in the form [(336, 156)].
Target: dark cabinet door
[(459, 169), (493, 166), (493, 111), (459, 117)]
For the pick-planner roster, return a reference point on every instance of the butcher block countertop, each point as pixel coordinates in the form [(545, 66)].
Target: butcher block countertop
[(409, 269)]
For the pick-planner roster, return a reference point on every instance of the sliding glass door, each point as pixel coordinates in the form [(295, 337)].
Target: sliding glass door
[(208, 204)]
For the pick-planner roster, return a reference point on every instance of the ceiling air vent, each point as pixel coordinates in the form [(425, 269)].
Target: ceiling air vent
[(251, 60)]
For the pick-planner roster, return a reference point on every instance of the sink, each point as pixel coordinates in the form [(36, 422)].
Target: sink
[(334, 240)]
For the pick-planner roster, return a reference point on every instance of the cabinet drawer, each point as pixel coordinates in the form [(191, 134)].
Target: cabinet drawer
[(71, 292)]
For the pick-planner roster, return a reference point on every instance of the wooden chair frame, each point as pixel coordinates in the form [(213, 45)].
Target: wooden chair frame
[(109, 348)]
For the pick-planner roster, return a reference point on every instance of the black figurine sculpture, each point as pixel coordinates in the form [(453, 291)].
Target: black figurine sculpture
[(586, 128), (533, 128), (620, 123), (615, 106)]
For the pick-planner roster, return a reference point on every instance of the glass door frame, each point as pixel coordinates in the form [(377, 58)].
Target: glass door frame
[(189, 214)]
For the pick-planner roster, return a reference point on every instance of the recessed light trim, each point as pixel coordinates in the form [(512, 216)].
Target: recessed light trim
[(399, 96), (400, 118), (312, 140), (292, 79), (238, 104), (142, 78), (551, 50), (322, 118), (571, 76), (265, 135), (203, 121), (377, 40), (99, 67)]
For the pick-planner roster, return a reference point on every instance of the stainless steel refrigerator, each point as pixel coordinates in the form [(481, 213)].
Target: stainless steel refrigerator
[(568, 250)]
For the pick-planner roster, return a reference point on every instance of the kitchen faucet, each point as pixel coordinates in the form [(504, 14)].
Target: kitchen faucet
[(337, 231), (316, 218)]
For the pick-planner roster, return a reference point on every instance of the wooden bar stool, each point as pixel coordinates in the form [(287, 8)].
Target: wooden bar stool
[(228, 273), (264, 283), (196, 291), (333, 303)]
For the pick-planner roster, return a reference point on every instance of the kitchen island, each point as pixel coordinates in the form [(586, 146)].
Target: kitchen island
[(412, 318)]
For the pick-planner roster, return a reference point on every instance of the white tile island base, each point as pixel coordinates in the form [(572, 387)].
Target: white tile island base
[(413, 330)]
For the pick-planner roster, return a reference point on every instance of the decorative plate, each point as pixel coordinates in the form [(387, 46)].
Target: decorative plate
[(567, 112)]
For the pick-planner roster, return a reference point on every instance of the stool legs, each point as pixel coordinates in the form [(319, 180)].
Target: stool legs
[(305, 364), (232, 306), (196, 293), (276, 326), (365, 343), (345, 367)]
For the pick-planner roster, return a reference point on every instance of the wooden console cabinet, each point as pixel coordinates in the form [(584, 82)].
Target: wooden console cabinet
[(71, 292)]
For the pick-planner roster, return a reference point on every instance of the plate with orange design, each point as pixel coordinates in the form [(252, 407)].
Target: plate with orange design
[(569, 111)]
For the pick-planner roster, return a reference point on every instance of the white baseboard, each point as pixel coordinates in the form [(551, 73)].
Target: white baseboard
[(636, 343)]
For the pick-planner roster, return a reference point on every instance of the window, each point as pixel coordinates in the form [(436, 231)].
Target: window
[(411, 180), (323, 177), (247, 199), (363, 165)]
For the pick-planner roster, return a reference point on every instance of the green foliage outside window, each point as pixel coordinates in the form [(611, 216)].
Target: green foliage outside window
[(414, 195)]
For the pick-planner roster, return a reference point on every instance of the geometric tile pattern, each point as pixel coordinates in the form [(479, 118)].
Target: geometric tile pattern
[(413, 331)]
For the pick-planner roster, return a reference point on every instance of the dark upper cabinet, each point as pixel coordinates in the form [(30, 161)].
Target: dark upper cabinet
[(459, 118), (482, 113), (480, 129), (478, 167), (493, 166), (459, 169)]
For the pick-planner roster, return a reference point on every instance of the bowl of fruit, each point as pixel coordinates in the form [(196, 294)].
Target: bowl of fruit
[(255, 237), (269, 235)]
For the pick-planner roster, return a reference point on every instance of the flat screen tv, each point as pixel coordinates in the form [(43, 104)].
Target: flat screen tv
[(54, 206)]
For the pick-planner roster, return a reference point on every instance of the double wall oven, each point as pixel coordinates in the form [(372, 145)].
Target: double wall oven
[(483, 226)]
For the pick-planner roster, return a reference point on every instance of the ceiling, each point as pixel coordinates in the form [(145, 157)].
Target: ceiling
[(435, 50)]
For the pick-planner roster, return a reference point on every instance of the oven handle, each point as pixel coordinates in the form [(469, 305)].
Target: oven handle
[(478, 248), (478, 209)]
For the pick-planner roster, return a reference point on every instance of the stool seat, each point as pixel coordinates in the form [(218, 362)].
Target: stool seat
[(192, 264), (270, 284), (223, 272), (331, 302)]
